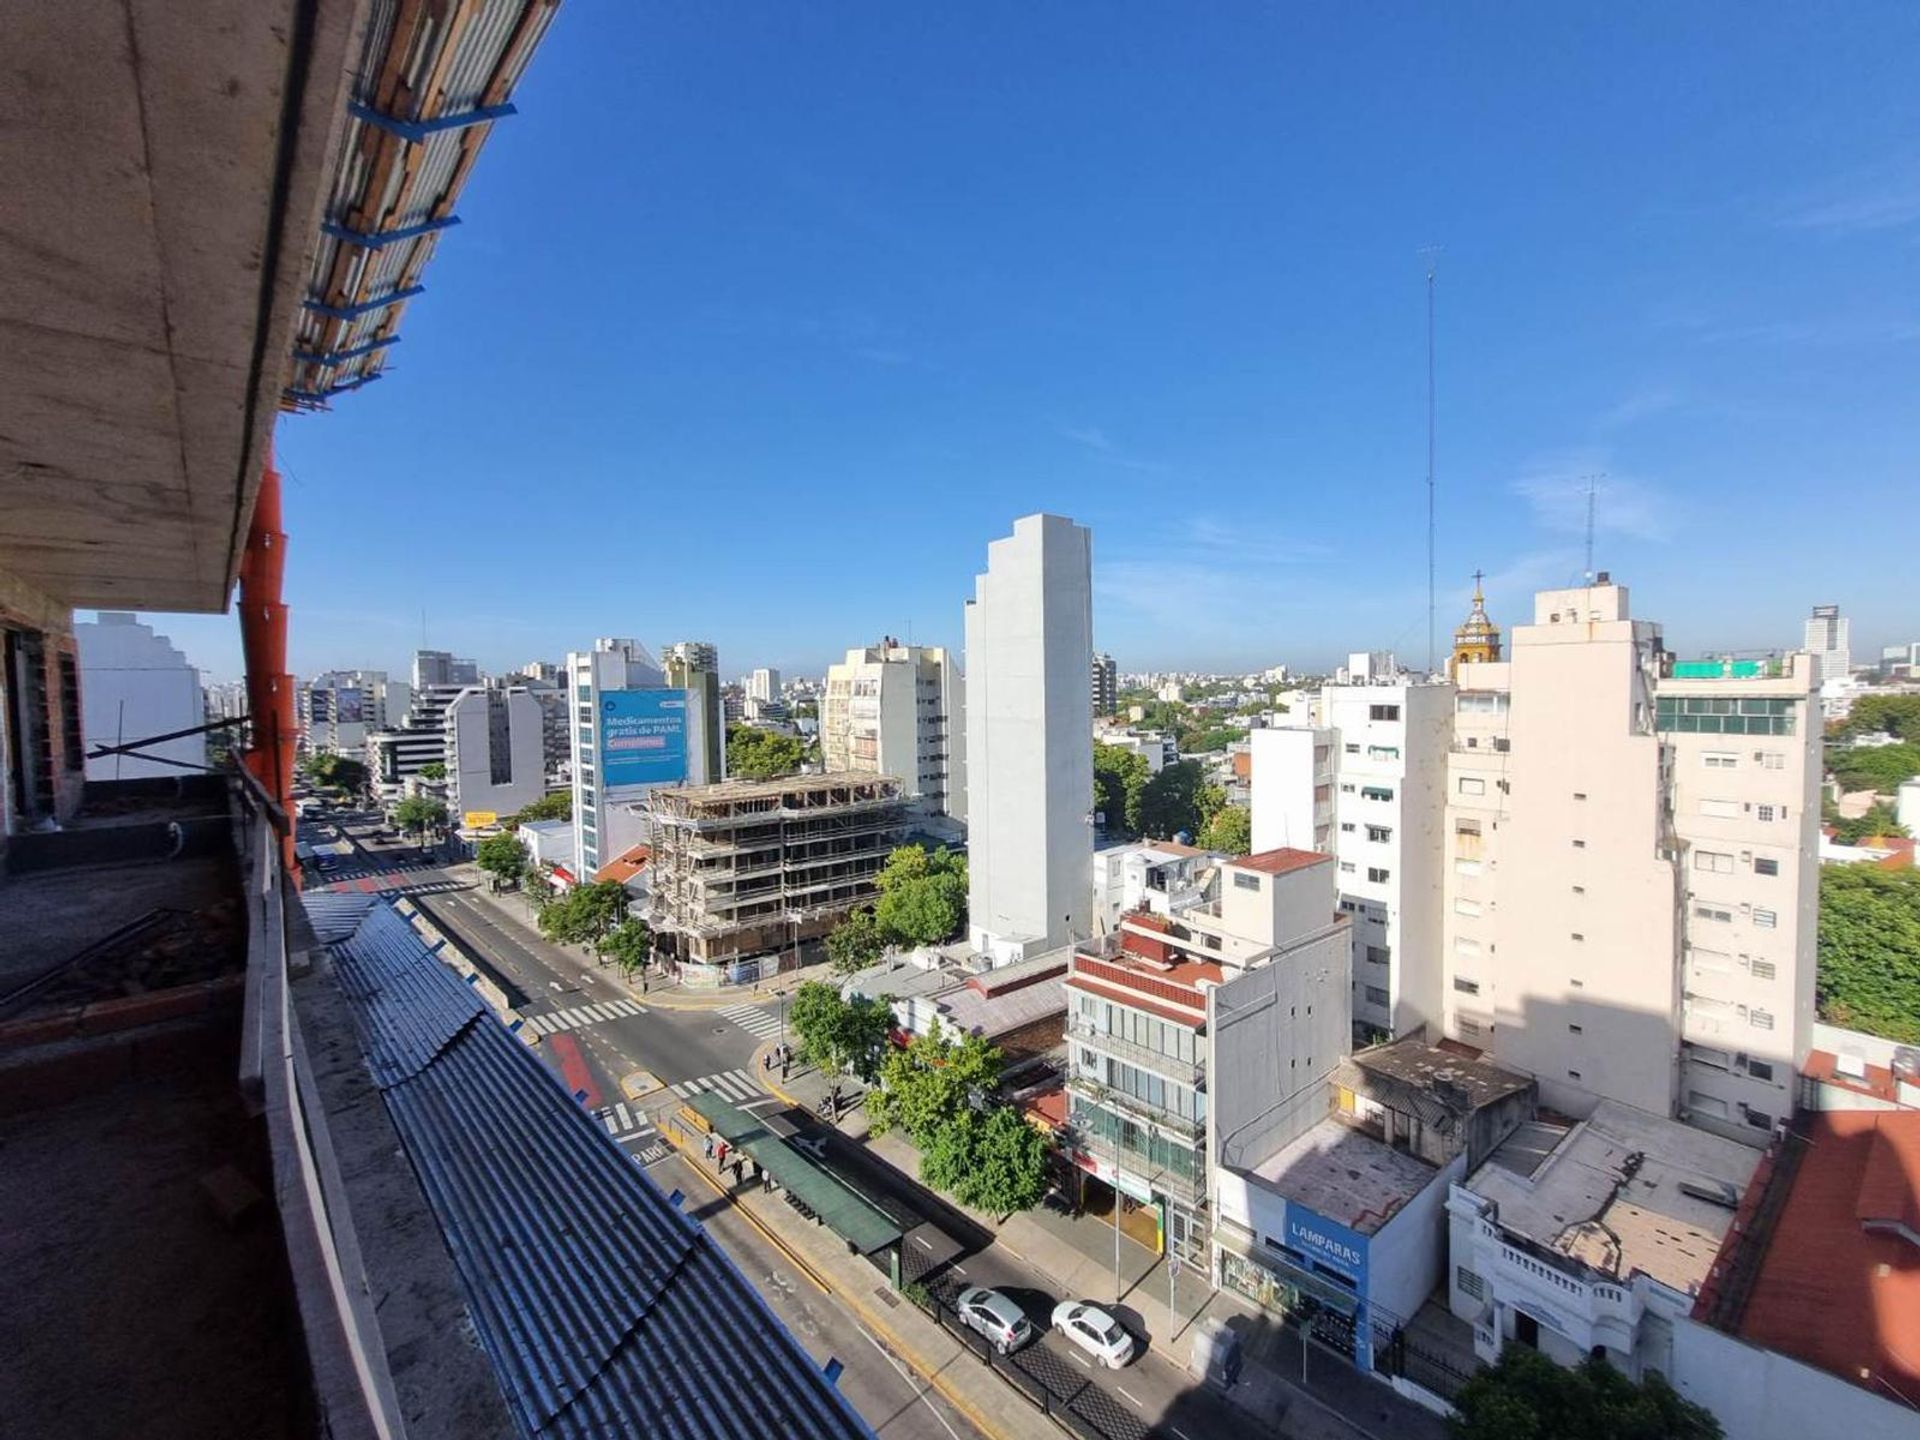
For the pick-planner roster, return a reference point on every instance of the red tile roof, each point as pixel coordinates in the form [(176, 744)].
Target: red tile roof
[(1831, 1290), (625, 866), (1877, 1082), (1279, 862)]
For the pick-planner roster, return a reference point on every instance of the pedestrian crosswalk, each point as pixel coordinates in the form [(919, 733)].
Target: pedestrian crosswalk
[(538, 1025), (755, 1021), (735, 1085), (629, 1125)]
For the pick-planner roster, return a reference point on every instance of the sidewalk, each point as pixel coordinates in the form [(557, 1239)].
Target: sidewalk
[(1076, 1257), (667, 994)]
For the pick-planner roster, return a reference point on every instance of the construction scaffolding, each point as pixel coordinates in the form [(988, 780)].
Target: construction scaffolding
[(755, 867)]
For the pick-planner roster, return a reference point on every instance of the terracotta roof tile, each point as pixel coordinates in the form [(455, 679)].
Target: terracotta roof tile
[(1281, 861)]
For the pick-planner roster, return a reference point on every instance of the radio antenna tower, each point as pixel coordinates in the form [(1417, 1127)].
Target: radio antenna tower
[(1593, 486), (1432, 256)]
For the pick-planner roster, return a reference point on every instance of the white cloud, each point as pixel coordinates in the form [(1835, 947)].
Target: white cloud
[(1884, 198), (1555, 488)]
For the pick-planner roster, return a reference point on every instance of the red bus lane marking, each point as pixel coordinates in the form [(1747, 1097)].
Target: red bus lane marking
[(573, 1068)]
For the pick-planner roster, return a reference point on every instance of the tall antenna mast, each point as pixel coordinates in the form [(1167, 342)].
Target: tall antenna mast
[(1432, 254), (1593, 485)]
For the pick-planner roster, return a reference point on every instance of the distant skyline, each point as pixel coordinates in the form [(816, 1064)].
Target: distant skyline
[(762, 322)]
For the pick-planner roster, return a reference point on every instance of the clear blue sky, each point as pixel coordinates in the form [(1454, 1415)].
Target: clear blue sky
[(765, 319)]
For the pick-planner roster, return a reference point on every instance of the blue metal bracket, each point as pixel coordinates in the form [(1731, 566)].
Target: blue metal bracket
[(832, 1371), (308, 357), (320, 397), (414, 132), (383, 238), (354, 312)]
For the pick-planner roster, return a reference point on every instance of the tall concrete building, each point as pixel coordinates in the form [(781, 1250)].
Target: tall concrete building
[(1828, 642), (1029, 637), (1106, 685), (495, 753), (135, 683), (1368, 784), (764, 684), (637, 725), (338, 710), (900, 710), (1631, 867), (441, 667), (694, 666)]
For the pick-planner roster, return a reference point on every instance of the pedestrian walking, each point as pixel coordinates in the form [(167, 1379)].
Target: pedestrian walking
[(766, 1062), (709, 1145)]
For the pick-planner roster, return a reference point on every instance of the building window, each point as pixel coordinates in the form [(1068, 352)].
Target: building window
[(72, 742), (1578, 936), (1759, 1119), (1573, 1074), (1574, 1030), (1466, 986), (1375, 792), (1244, 881), (1760, 1019), (1763, 969), (1346, 789), (1766, 867), (1466, 1026), (1383, 752), (1765, 919), (1463, 906), (1579, 794), (1720, 760), (1353, 749), (1379, 833), (1714, 861), (1347, 867), (1469, 1283), (1579, 889), (1346, 827), (1720, 809), (1707, 1104), (1770, 759), (1377, 996), (1378, 954), (1577, 983), (1714, 913), (1707, 1056), (1464, 945), (1760, 1069), (1579, 844), (1472, 785), (1765, 812), (1383, 712), (1377, 875)]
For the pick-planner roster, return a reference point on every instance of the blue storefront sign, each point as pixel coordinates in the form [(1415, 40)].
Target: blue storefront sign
[(643, 737), (1335, 1249)]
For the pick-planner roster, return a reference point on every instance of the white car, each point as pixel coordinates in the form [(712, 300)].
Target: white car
[(995, 1316), (1094, 1331)]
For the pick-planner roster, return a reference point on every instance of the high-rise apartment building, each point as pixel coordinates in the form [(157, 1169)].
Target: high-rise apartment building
[(1029, 766), (694, 666), (1630, 867), (1828, 642), (338, 710), (764, 684), (1367, 783), (495, 753), (893, 709), (633, 729), (134, 683), (1106, 685), (442, 668)]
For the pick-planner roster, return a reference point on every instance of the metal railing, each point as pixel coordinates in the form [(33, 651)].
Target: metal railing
[(1185, 1072)]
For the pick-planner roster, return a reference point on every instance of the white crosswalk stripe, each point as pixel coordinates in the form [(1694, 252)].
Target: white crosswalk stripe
[(629, 1125), (734, 1085), (753, 1020), (583, 1015)]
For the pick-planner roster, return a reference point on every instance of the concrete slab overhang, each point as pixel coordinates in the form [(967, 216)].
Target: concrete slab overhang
[(164, 171)]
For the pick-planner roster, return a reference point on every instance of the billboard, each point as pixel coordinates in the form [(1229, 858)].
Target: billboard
[(349, 706), (643, 737)]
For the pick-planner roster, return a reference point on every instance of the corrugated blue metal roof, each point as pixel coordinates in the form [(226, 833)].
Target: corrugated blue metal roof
[(605, 1310)]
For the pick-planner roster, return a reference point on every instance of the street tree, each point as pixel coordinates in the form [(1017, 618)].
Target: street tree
[(932, 1080), (1230, 831), (1526, 1396), (420, 814), (433, 770), (1008, 1170), (1119, 780), (585, 913), (501, 856), (856, 942), (628, 945), (757, 754), (838, 1034), (1172, 801), (558, 805)]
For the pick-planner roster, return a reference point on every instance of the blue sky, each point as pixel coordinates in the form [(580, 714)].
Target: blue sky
[(765, 319)]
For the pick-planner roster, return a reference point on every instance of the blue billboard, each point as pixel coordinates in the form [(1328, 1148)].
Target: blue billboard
[(643, 737), (1337, 1250)]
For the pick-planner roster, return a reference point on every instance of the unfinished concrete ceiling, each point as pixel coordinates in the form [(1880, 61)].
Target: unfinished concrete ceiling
[(163, 173)]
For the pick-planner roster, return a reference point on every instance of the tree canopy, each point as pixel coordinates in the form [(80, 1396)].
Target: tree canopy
[(839, 1034), (336, 772), (923, 901), (433, 770), (1897, 715), (1528, 1397), (856, 942), (932, 1080), (1230, 831), (420, 813), (1869, 971), (994, 1161), (1119, 779), (756, 754), (1879, 818), (1879, 768), (501, 856), (627, 945), (1178, 798), (584, 913), (555, 805)]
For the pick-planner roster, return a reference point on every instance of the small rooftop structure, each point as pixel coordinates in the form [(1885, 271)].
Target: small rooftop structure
[(1339, 1171), (1623, 1191), (1435, 1103), (1280, 862), (624, 866)]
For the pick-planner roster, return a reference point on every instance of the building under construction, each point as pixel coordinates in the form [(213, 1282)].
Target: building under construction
[(749, 868)]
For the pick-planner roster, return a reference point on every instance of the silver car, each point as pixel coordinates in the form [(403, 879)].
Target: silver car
[(994, 1316)]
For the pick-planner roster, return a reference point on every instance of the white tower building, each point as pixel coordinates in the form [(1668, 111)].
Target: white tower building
[(1029, 638)]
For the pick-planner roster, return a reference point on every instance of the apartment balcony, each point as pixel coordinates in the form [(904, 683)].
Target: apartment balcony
[(1191, 1189), (1137, 1110), (1191, 1073)]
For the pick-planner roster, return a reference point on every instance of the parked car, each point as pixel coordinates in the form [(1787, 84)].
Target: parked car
[(995, 1316), (1094, 1331)]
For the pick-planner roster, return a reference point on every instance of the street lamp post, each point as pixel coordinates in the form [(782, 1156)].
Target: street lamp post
[(1116, 1238)]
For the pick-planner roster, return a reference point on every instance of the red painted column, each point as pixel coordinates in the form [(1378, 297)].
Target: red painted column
[(263, 636)]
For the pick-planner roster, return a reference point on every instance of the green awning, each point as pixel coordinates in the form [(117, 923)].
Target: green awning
[(841, 1210)]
